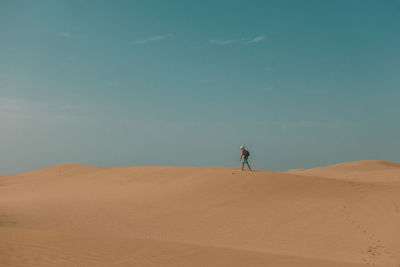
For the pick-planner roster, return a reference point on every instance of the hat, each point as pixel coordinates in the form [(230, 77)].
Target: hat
[(241, 147)]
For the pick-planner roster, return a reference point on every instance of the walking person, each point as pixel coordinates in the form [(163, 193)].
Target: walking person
[(244, 155)]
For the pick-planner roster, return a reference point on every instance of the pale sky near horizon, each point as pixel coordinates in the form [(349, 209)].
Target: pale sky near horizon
[(109, 83)]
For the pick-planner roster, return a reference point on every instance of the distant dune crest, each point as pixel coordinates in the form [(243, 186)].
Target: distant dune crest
[(364, 170), (368, 164)]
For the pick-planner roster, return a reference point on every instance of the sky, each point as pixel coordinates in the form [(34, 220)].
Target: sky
[(301, 84)]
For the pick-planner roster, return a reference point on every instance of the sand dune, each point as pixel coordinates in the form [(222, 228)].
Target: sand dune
[(74, 215), (375, 171)]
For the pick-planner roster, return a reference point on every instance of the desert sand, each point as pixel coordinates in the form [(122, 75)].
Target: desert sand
[(73, 215)]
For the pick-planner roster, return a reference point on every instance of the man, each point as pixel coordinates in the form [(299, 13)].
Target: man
[(244, 156)]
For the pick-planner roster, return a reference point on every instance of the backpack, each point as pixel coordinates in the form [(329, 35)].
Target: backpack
[(246, 154)]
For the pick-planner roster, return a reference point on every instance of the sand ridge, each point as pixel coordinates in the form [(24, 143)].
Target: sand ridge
[(374, 171)]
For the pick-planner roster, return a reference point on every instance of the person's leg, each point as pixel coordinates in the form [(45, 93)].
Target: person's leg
[(242, 165), (248, 165)]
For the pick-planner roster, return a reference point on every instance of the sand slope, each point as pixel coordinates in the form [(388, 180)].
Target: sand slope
[(74, 215), (375, 171)]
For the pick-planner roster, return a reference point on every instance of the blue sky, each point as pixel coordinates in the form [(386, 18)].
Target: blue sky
[(110, 83)]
